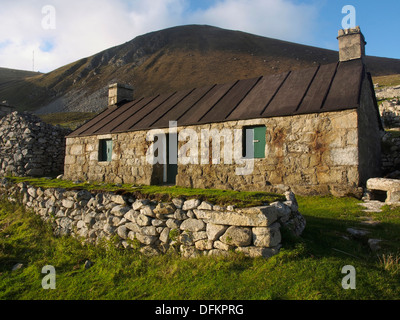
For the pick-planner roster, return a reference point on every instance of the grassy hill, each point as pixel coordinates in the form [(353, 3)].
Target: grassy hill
[(14, 82), (7, 75), (387, 81), (70, 120), (168, 60)]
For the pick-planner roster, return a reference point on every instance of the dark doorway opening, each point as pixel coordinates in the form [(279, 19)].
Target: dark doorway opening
[(378, 195), (171, 167)]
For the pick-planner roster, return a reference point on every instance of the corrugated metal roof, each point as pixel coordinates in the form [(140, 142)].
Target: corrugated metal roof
[(331, 87)]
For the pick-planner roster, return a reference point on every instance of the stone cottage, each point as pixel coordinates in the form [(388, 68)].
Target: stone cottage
[(315, 131)]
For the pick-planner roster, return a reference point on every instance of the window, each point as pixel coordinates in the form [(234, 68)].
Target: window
[(254, 142), (105, 150)]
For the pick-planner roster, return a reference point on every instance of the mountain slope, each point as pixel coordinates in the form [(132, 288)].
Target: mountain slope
[(168, 60), (7, 74), (12, 77)]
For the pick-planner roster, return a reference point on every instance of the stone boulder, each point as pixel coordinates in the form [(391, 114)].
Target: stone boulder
[(237, 236), (192, 225), (267, 236)]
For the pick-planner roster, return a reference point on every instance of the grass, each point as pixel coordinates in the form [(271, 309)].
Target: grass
[(70, 120), (380, 101), (220, 197), (387, 81), (164, 193), (306, 268), (7, 74)]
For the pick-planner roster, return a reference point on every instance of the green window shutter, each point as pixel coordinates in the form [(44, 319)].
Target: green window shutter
[(109, 150), (259, 141), (105, 150), (254, 142)]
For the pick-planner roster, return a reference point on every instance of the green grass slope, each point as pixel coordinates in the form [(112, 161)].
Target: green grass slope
[(307, 268), (7, 75)]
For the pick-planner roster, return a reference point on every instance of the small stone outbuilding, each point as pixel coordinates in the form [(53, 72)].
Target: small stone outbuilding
[(30, 147), (315, 131)]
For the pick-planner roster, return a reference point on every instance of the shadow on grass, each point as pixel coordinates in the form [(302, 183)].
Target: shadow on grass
[(327, 237)]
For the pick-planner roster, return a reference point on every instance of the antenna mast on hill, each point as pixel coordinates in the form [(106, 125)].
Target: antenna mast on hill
[(33, 60)]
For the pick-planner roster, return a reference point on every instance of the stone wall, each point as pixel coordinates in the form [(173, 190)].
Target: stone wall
[(30, 147), (310, 154), (191, 227), (387, 92), (390, 113), (391, 155), (127, 166)]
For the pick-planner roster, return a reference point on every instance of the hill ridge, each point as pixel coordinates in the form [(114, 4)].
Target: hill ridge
[(167, 60)]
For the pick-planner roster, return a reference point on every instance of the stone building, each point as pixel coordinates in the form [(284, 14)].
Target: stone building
[(315, 131), (30, 147)]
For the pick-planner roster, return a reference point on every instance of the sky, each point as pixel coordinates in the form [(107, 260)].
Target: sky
[(43, 35)]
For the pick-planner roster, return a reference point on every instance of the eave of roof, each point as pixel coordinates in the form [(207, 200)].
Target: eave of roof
[(323, 88)]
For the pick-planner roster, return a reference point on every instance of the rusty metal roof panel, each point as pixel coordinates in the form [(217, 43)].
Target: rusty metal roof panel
[(105, 124), (345, 89), (84, 128), (123, 112), (291, 93), (318, 90), (223, 108), (205, 104), (181, 108), (160, 111), (129, 123), (258, 98)]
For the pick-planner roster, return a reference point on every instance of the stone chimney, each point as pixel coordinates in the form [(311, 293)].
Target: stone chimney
[(351, 44), (118, 93)]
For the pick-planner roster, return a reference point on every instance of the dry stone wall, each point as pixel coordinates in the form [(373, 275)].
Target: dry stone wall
[(387, 92), (390, 113), (30, 147), (191, 227), (391, 155)]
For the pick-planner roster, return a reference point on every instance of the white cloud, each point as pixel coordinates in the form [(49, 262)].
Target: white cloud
[(85, 27), (280, 19), (156, 14)]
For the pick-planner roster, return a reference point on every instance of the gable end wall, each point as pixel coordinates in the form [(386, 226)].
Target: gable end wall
[(370, 132)]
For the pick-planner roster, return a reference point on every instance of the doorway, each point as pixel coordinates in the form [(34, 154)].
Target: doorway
[(171, 165)]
